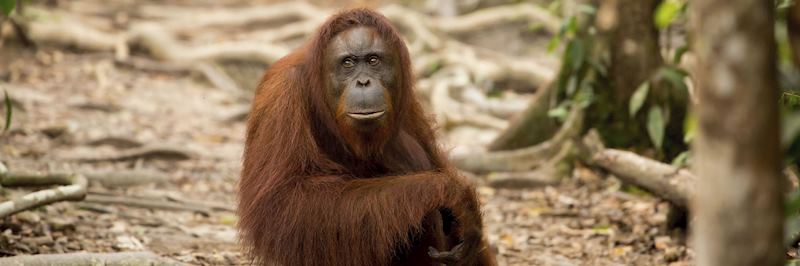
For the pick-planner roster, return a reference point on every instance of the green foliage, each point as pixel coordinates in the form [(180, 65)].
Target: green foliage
[(790, 100), (792, 214), (689, 127), (674, 75), (638, 98), (6, 6), (560, 112), (783, 4), (568, 29), (667, 12), (636, 191), (790, 129), (9, 111), (656, 125), (588, 9), (679, 52), (553, 43), (682, 160), (790, 138), (535, 27)]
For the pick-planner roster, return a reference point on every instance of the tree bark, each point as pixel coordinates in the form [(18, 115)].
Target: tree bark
[(632, 39), (635, 53), (738, 210)]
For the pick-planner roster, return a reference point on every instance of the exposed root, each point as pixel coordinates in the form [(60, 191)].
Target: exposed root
[(532, 126), (523, 159), (158, 36)]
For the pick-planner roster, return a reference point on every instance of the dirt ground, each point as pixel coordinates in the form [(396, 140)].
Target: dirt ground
[(66, 101)]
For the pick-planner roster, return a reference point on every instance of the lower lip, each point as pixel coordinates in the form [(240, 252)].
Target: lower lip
[(366, 116)]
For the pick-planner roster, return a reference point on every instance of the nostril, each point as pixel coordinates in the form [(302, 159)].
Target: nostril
[(362, 82)]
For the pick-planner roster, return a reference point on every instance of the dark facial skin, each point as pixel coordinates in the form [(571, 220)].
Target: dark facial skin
[(361, 78)]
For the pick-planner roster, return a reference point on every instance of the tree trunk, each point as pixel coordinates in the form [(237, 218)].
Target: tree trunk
[(738, 208), (635, 55), (632, 40)]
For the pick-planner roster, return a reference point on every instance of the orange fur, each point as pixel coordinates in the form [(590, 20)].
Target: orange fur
[(306, 196)]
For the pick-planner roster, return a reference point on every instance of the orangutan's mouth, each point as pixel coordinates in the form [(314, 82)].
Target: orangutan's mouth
[(366, 115)]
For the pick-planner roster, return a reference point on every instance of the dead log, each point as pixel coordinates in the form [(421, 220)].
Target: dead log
[(663, 180)]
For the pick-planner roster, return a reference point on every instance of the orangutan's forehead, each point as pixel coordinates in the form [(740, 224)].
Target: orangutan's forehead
[(358, 40)]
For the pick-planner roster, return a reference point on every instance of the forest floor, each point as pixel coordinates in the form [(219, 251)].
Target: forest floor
[(71, 106)]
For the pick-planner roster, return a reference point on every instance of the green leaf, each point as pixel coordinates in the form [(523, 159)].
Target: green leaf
[(638, 98), (9, 111), (6, 6), (790, 129), (585, 96), (535, 27), (560, 112), (588, 9), (578, 54), (790, 100), (682, 159), (791, 228), (553, 44), (666, 12), (572, 84), (571, 26), (676, 59), (554, 7), (675, 76), (689, 127), (655, 126), (601, 69), (784, 4)]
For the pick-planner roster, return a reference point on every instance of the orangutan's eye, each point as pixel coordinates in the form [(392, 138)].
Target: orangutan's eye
[(348, 63), (373, 60)]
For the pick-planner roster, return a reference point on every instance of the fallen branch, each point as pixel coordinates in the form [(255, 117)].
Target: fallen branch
[(526, 158), (665, 181), (76, 259), (72, 187)]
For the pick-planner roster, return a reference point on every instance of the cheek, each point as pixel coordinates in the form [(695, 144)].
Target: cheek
[(387, 79)]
